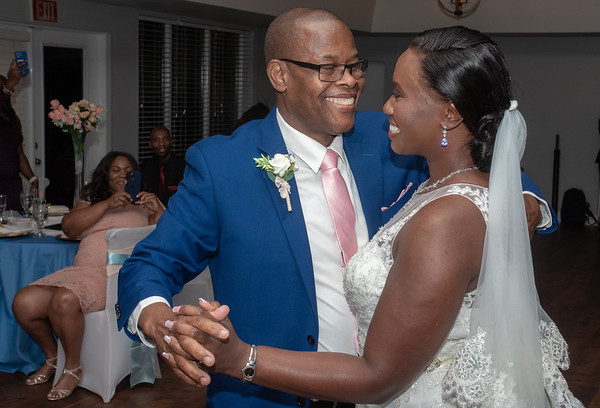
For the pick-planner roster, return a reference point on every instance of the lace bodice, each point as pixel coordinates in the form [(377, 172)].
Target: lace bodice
[(367, 271), (459, 375)]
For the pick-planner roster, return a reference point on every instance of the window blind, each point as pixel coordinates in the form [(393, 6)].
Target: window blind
[(194, 80)]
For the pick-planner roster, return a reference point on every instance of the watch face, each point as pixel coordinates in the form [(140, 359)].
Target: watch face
[(249, 371)]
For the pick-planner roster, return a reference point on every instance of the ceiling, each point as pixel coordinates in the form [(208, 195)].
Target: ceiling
[(396, 16)]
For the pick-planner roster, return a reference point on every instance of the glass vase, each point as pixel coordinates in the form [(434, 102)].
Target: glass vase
[(78, 144)]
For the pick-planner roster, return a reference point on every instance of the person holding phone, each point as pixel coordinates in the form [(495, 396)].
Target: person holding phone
[(56, 303), (13, 161)]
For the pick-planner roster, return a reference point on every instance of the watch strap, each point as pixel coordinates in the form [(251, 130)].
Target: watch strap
[(249, 369)]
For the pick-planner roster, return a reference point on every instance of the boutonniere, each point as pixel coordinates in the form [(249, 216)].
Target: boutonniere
[(399, 197), (280, 170)]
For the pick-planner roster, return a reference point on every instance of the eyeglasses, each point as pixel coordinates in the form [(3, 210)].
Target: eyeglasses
[(334, 72)]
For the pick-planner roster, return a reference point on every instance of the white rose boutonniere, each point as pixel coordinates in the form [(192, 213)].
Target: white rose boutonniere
[(280, 170)]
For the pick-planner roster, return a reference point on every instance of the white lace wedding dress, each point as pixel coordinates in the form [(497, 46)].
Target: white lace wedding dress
[(460, 374)]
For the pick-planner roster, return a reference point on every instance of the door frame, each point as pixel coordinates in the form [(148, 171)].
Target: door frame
[(95, 89)]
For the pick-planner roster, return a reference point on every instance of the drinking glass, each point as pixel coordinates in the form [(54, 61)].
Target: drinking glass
[(40, 215), (2, 207), (26, 203)]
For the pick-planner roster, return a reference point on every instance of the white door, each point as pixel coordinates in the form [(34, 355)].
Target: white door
[(95, 88)]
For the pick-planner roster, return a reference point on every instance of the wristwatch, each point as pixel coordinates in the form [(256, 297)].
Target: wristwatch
[(249, 369)]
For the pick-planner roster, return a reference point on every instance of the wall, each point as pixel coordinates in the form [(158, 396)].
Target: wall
[(357, 14), (558, 88)]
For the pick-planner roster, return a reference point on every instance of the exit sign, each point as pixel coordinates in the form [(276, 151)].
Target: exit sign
[(44, 10)]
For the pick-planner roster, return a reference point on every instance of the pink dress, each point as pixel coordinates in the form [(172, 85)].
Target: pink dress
[(87, 277)]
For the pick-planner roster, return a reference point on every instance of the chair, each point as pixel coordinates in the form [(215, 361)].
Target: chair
[(106, 351)]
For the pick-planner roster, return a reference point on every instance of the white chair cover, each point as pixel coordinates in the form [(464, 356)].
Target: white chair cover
[(106, 351)]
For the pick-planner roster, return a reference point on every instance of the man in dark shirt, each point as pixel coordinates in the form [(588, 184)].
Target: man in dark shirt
[(162, 173)]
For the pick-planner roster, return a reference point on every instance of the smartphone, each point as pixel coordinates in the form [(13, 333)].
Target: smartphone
[(134, 183), (20, 57)]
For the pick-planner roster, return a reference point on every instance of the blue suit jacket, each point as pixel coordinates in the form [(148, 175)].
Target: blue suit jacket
[(228, 213)]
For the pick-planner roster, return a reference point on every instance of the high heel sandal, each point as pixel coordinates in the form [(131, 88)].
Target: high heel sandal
[(35, 379), (56, 394)]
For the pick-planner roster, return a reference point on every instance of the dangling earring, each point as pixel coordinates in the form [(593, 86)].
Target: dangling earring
[(444, 142)]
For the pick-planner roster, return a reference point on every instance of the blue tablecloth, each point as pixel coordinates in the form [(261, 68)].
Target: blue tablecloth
[(22, 261)]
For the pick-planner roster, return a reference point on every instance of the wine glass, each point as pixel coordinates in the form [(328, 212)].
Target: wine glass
[(40, 215), (26, 202), (2, 206)]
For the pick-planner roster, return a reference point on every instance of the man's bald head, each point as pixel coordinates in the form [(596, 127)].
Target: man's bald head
[(283, 33)]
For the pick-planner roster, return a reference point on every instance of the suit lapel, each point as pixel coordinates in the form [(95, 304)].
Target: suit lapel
[(270, 142)]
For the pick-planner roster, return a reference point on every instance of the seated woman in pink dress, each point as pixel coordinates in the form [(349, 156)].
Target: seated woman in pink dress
[(56, 303)]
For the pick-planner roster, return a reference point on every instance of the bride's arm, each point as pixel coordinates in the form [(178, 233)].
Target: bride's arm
[(437, 253)]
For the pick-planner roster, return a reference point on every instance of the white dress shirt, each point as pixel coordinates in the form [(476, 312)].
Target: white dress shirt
[(336, 322)]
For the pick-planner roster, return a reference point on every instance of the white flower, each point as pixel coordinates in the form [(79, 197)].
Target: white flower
[(281, 163)]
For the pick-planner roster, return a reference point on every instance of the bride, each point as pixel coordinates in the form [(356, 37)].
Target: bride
[(444, 296)]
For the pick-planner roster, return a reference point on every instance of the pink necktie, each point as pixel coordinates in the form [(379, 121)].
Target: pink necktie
[(340, 205)]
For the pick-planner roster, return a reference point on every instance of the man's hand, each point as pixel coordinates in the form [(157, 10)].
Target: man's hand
[(157, 319), (533, 213)]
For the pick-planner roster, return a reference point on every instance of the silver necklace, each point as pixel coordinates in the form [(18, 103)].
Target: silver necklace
[(423, 188)]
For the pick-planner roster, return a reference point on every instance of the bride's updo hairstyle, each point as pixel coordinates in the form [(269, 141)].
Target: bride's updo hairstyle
[(467, 68)]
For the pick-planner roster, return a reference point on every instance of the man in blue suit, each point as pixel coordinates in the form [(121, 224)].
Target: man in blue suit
[(278, 267)]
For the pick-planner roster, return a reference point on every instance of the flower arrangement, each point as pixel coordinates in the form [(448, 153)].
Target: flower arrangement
[(280, 170), (80, 119)]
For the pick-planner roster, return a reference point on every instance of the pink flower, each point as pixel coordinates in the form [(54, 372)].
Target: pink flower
[(79, 119), (54, 115)]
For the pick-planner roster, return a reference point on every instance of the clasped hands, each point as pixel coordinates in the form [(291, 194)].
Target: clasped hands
[(194, 340)]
